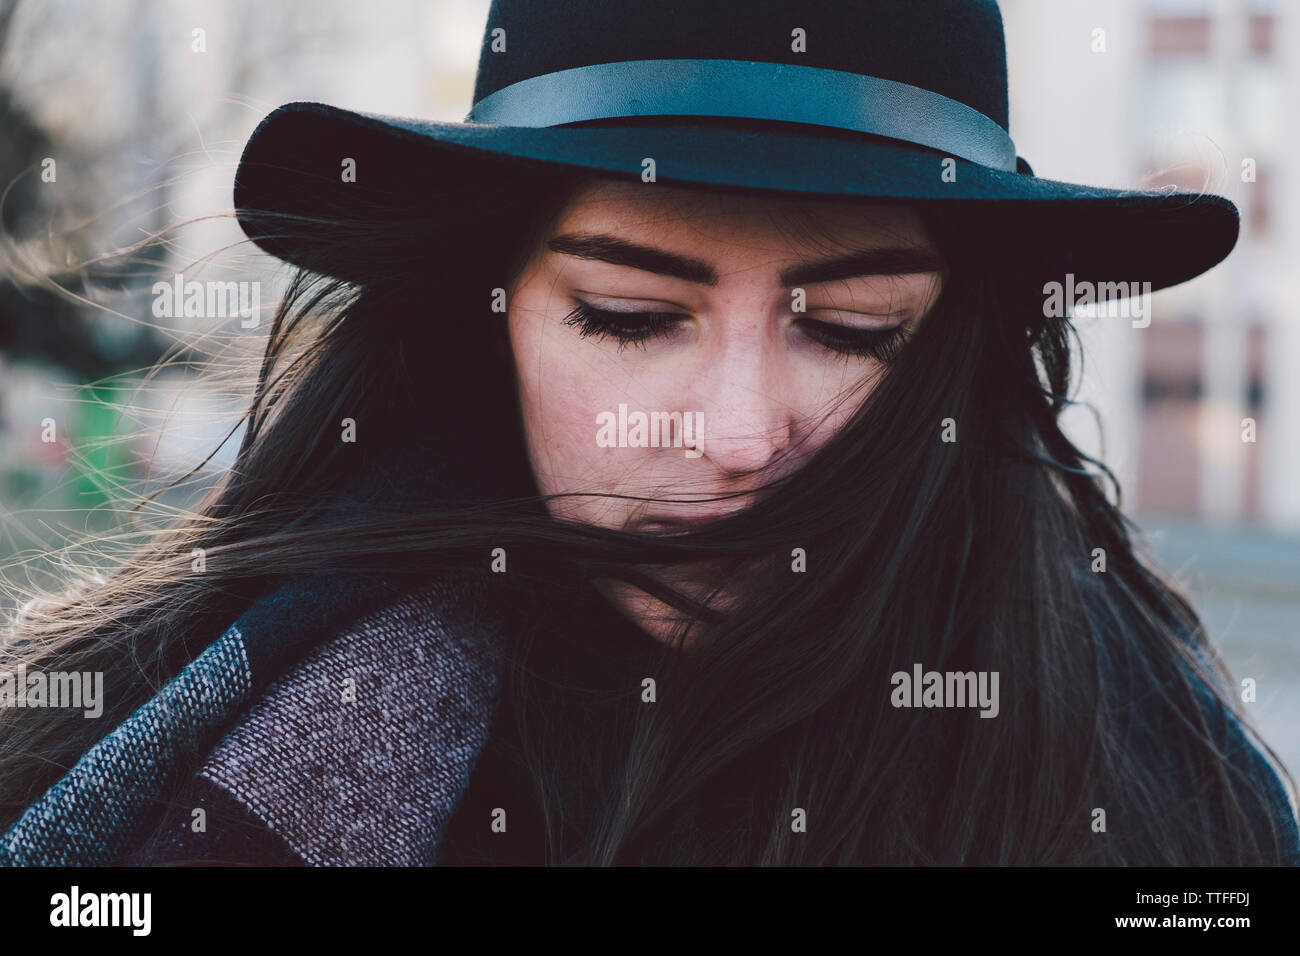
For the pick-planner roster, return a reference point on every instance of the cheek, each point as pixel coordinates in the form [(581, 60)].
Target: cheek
[(830, 392), (562, 388)]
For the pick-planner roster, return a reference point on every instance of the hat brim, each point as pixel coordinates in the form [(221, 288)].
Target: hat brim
[(291, 170)]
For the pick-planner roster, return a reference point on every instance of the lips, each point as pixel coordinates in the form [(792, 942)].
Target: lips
[(679, 524), (667, 526)]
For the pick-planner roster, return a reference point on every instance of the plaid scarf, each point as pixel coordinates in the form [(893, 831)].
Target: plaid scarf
[(356, 755), (344, 712)]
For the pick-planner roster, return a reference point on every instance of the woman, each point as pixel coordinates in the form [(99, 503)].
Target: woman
[(862, 601)]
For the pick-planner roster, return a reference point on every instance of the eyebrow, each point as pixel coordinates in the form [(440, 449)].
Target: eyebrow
[(890, 260)]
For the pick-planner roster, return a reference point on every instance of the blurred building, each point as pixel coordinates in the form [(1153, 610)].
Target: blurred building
[(1148, 93)]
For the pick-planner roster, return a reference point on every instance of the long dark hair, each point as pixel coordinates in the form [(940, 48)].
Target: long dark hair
[(966, 555)]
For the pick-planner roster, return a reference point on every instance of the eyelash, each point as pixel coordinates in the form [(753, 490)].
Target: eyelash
[(880, 344)]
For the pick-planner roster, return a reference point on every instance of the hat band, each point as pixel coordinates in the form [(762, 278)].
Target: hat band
[(754, 89)]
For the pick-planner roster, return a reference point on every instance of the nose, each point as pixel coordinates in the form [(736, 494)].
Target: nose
[(742, 386)]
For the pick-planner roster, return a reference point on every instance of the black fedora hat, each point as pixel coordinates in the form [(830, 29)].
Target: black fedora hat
[(872, 100)]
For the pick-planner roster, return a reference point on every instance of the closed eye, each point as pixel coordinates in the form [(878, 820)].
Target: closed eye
[(880, 344), (627, 327), (637, 328)]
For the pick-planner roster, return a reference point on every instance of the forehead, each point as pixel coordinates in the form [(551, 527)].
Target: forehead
[(688, 215)]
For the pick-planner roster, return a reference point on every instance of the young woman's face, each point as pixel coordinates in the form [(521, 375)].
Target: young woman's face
[(764, 337)]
